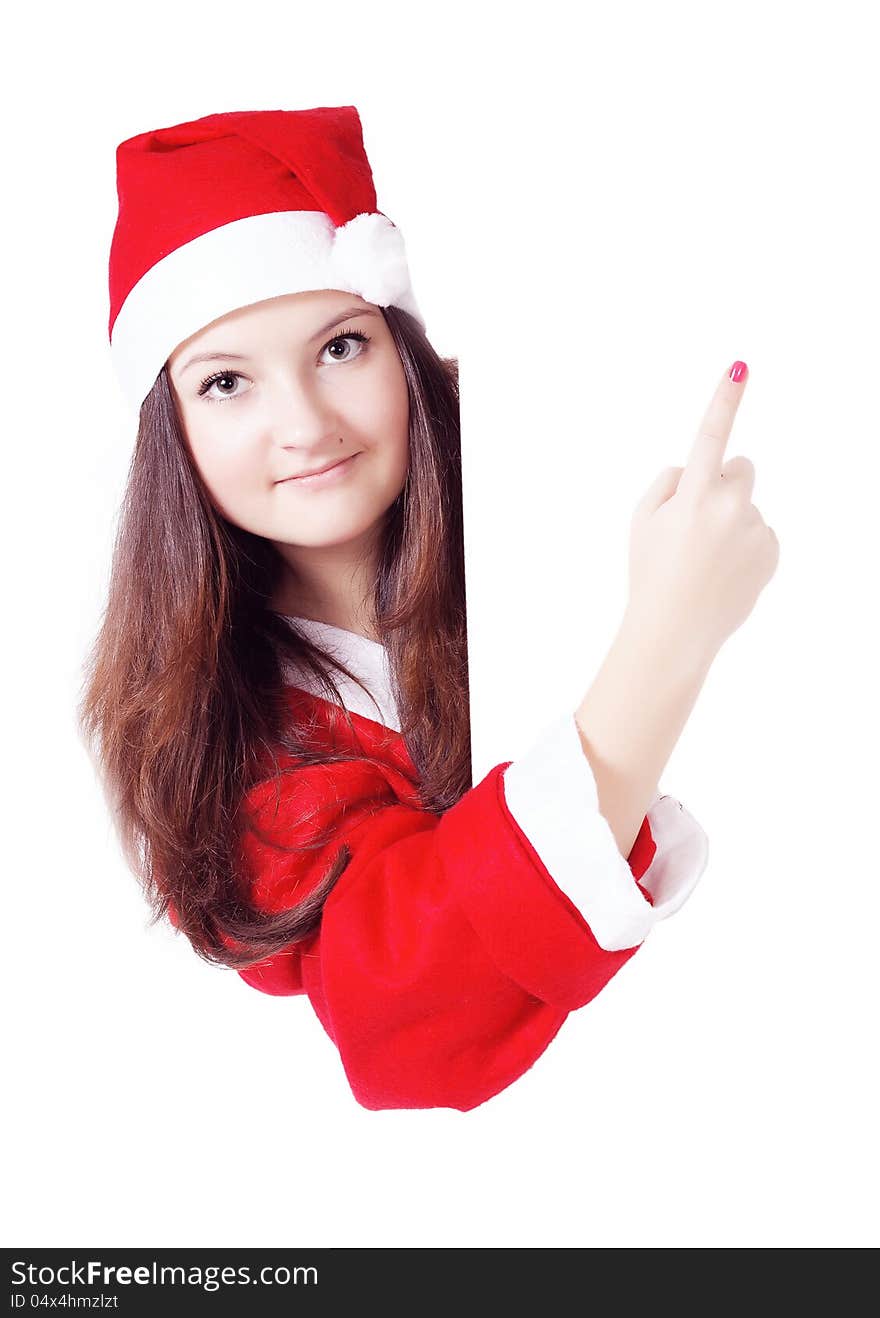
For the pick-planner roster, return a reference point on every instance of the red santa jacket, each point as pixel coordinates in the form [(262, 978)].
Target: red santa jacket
[(452, 947)]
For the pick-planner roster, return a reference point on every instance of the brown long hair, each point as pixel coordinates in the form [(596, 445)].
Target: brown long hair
[(182, 697)]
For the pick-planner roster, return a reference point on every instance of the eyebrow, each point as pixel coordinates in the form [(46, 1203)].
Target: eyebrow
[(348, 314)]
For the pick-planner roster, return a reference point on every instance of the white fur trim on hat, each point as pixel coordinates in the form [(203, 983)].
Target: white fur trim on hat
[(247, 261)]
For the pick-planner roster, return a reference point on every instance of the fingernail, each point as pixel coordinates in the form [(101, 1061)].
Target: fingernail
[(738, 371)]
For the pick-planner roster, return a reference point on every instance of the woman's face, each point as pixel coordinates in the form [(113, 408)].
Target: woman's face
[(289, 390)]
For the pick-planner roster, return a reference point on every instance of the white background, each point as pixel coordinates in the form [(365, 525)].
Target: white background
[(598, 222)]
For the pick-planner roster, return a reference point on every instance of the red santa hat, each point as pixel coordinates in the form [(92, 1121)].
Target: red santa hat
[(233, 208)]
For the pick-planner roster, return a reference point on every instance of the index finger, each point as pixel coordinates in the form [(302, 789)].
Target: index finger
[(707, 451)]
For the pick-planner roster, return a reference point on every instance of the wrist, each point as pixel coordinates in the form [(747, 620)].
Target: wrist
[(681, 650)]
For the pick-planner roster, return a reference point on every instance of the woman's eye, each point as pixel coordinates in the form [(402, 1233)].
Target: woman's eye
[(221, 380), (340, 341), (221, 377)]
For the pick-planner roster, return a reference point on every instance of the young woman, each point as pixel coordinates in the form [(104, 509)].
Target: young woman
[(277, 699)]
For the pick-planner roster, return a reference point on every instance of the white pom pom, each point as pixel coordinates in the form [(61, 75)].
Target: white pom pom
[(369, 258)]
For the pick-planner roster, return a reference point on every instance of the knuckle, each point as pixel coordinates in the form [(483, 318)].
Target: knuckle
[(739, 467)]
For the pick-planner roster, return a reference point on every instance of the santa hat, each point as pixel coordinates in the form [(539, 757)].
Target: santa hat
[(227, 210)]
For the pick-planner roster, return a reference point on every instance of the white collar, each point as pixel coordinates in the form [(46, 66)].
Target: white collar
[(368, 659)]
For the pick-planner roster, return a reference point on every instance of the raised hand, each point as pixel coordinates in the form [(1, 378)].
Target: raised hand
[(700, 551)]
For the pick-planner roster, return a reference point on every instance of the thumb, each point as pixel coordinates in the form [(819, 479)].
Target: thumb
[(661, 488)]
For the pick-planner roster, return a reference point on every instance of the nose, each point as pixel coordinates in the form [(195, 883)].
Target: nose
[(302, 419)]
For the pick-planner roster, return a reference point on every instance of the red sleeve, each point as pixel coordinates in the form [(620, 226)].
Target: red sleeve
[(447, 957)]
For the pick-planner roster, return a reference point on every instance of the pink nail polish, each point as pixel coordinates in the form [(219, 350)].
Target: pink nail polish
[(738, 371)]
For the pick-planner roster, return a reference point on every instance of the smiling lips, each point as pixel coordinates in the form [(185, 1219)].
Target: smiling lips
[(309, 476)]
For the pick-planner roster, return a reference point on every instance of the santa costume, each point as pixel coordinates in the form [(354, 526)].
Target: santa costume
[(452, 947)]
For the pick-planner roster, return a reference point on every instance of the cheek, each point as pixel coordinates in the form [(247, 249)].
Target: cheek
[(226, 471), (400, 425), (388, 410)]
